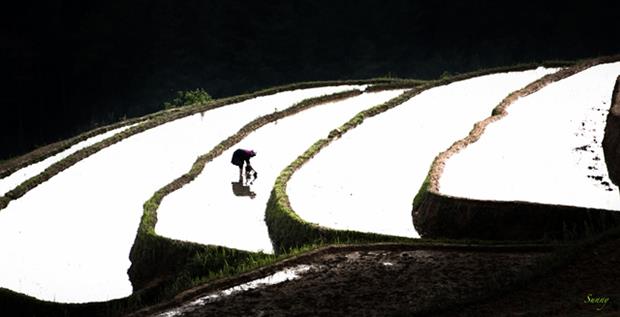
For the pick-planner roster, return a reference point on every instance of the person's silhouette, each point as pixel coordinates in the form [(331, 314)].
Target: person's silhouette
[(240, 158)]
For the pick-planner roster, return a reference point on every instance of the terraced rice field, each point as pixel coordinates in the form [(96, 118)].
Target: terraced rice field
[(546, 150), (68, 239)]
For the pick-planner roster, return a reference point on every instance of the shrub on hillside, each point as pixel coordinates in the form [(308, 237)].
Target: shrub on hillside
[(188, 97)]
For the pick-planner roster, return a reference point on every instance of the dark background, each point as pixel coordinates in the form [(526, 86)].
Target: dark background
[(69, 66)]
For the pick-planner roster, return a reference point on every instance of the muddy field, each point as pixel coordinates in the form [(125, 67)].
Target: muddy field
[(588, 286), (372, 281)]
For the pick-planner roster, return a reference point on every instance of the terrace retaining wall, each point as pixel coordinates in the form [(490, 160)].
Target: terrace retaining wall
[(611, 142), (457, 218)]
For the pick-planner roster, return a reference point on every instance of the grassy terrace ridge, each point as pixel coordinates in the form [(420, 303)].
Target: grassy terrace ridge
[(150, 121), (288, 231), (582, 220)]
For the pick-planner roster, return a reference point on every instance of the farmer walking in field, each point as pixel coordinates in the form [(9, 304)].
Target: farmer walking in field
[(241, 157)]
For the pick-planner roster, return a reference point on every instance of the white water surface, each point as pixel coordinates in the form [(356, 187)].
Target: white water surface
[(68, 239), (207, 211), (366, 180), (285, 275), (547, 150), (10, 182)]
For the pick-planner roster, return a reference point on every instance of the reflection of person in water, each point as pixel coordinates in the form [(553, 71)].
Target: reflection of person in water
[(241, 157), (241, 190)]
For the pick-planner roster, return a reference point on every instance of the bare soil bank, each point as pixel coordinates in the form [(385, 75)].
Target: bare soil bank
[(390, 280), (429, 282), (568, 291), (461, 218)]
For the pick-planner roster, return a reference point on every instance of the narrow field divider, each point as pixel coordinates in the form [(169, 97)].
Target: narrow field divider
[(12, 165), (401, 84), (440, 216)]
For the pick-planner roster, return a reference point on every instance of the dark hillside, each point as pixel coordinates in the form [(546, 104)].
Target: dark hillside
[(73, 65)]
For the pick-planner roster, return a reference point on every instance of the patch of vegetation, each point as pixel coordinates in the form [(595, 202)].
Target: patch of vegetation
[(188, 98)]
